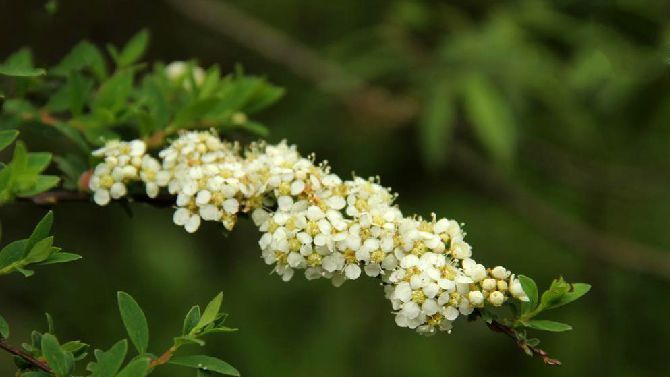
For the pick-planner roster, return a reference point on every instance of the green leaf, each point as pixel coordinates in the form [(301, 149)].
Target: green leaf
[(134, 49), (195, 110), (42, 183), (191, 320), (208, 363), (211, 311), (40, 252), (436, 126), (554, 294), (73, 166), (4, 328), (254, 127), (37, 162), (74, 135), (12, 253), (60, 361), (61, 257), (561, 293), (74, 346), (544, 325), (20, 64), (134, 321), (7, 137), (41, 231), (83, 55), (181, 340), (114, 92), (19, 161), (491, 118), (50, 323), (78, 91), (530, 288), (577, 290), (25, 272), (110, 362), (21, 71), (136, 368)]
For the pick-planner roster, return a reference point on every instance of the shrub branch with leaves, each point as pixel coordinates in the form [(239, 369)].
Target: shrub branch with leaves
[(173, 119)]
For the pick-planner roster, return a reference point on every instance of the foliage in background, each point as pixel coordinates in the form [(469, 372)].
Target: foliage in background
[(88, 106), (608, 172)]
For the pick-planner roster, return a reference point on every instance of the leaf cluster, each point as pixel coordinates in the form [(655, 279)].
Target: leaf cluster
[(63, 358), (38, 249)]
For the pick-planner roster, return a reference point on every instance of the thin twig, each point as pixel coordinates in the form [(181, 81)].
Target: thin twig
[(227, 20), (164, 358), (50, 198), (26, 357), (522, 343)]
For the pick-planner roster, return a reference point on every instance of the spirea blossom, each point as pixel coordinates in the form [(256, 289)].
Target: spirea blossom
[(312, 221)]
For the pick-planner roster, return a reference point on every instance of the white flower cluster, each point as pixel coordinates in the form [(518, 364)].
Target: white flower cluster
[(123, 162), (312, 220)]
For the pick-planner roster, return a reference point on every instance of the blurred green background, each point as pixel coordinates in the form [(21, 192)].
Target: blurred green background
[(543, 126)]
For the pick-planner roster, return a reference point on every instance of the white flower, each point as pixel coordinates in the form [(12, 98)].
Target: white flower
[(311, 220), (496, 298), (476, 298), (101, 197), (500, 273), (179, 70)]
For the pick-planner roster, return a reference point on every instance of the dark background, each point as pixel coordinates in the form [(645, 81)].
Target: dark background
[(583, 85)]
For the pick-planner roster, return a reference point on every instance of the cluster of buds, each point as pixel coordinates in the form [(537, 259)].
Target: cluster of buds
[(313, 221)]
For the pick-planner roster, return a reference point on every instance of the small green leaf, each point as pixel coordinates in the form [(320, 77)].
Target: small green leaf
[(113, 93), (12, 253), (60, 361), (4, 328), (22, 71), (61, 257), (577, 290), (194, 110), (37, 162), (491, 118), (83, 55), (50, 323), (210, 312), (74, 135), (544, 325), (208, 363), (134, 321), (20, 64), (254, 127), (7, 137), (530, 288), (181, 340), (40, 252), (25, 272), (41, 231), (136, 368), (42, 183), (74, 346), (554, 294), (436, 125), (191, 320), (110, 362), (134, 49)]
